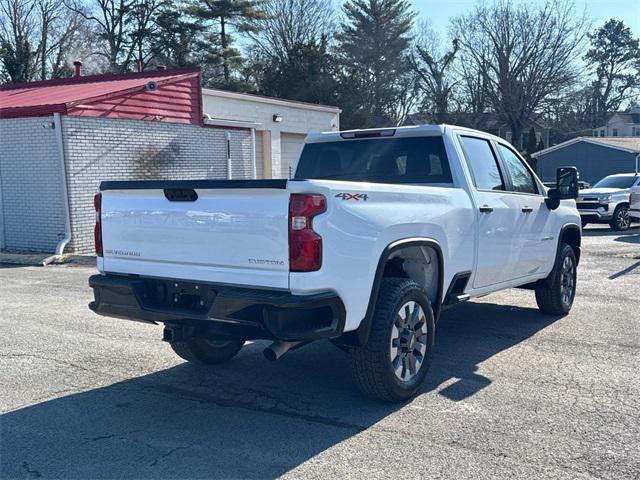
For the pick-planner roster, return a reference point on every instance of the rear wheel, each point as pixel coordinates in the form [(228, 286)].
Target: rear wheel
[(620, 220), (395, 360), (556, 296), (204, 351)]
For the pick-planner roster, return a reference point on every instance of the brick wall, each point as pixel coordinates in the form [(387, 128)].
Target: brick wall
[(33, 215), (100, 149)]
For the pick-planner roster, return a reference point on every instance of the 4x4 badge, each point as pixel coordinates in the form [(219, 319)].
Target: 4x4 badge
[(352, 196)]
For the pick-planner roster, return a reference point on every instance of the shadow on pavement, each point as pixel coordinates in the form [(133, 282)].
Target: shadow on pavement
[(624, 271), (605, 231), (247, 419), (473, 332), (631, 237), (16, 265)]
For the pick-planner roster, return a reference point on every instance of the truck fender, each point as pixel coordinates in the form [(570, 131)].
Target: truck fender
[(360, 336), (571, 234)]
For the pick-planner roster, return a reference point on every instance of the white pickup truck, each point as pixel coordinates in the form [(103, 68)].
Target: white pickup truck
[(376, 234)]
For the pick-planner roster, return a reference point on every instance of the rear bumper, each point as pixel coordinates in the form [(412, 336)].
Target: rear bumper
[(224, 310)]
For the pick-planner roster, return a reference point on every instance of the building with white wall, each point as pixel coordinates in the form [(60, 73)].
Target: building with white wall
[(621, 124), (280, 126), (60, 138)]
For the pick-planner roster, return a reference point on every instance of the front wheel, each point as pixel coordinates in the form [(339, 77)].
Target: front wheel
[(395, 360), (556, 295), (620, 220), (204, 351)]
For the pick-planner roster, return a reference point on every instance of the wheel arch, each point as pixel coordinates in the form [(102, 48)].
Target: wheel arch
[(386, 268), (571, 234)]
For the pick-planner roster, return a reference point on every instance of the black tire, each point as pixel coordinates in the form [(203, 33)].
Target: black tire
[(556, 295), (620, 220), (372, 367), (209, 352)]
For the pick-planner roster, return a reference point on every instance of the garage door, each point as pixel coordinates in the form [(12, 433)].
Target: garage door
[(290, 145)]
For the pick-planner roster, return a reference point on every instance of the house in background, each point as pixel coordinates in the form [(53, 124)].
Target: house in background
[(489, 122), (60, 138), (595, 158), (621, 124)]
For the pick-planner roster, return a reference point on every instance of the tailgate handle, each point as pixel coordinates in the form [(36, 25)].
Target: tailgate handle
[(180, 194)]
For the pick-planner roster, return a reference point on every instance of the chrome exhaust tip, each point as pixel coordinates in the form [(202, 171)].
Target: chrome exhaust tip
[(277, 349)]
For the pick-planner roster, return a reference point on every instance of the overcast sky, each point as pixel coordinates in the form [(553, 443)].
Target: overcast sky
[(439, 11)]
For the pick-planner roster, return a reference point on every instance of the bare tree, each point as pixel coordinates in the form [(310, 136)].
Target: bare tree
[(524, 54), (290, 24), (18, 33), (59, 30), (109, 18), (472, 87), (48, 10), (142, 29), (434, 72), (407, 97)]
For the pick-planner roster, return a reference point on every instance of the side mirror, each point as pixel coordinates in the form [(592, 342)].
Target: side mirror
[(567, 182), (566, 187)]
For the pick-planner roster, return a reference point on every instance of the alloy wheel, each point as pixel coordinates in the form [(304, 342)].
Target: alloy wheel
[(623, 218), (408, 344), (568, 281)]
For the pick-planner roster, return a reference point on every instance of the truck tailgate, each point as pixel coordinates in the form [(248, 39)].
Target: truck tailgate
[(236, 235)]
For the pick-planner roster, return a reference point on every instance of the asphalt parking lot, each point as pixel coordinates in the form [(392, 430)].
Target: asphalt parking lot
[(511, 393)]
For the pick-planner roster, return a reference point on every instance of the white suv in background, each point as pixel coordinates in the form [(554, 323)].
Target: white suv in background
[(634, 204), (608, 201)]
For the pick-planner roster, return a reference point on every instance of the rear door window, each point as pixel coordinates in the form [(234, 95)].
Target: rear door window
[(521, 178), (483, 163), (411, 160)]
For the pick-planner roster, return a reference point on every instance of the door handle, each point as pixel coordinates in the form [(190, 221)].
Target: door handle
[(526, 209), (486, 209)]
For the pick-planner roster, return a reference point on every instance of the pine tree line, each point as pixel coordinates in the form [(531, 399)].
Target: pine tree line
[(519, 62)]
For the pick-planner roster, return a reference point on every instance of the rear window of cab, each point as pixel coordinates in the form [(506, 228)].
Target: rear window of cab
[(404, 160)]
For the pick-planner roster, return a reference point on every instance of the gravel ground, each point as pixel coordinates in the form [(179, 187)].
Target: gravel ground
[(511, 393)]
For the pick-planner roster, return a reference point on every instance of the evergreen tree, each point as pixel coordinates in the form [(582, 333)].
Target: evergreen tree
[(531, 148), (304, 73), (531, 141), (228, 15), (373, 45), (178, 39), (615, 57)]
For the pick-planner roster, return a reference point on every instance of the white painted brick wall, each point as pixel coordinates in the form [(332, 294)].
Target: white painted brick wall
[(33, 215), (296, 117), (99, 149)]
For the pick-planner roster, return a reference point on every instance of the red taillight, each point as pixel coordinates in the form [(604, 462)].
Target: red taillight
[(305, 245), (97, 231)]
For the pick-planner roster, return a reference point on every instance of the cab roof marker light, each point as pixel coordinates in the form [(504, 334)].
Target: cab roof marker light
[(389, 132)]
